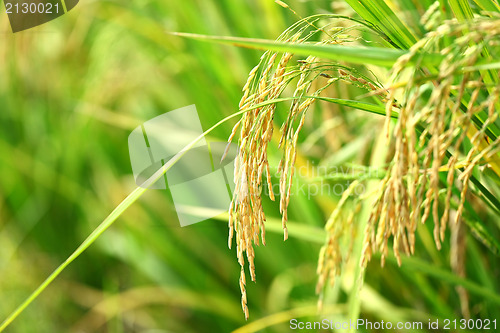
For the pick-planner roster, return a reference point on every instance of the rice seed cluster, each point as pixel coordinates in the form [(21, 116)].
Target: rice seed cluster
[(340, 230), (429, 135), (265, 84), (439, 109), (246, 216)]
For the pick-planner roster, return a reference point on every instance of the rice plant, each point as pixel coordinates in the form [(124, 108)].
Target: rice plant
[(445, 128), (401, 94)]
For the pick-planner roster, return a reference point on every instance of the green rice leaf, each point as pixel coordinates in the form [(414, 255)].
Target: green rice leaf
[(357, 55), (461, 9), (488, 5), (379, 14), (448, 277)]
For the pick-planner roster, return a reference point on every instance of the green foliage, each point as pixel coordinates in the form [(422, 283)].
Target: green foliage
[(71, 92)]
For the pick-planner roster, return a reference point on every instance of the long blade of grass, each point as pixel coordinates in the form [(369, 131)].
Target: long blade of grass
[(482, 66), (379, 14), (139, 191), (447, 276), (129, 200), (357, 55), (108, 221), (372, 108), (488, 5), (461, 9)]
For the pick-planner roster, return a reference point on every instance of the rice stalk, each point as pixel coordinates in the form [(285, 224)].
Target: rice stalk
[(445, 115), (267, 81), (410, 192)]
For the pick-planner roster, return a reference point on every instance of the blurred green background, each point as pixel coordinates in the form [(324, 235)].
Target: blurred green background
[(72, 90)]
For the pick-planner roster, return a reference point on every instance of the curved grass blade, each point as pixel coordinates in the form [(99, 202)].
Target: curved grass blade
[(461, 9), (139, 191), (380, 15), (108, 221), (488, 5), (449, 277), (358, 55)]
